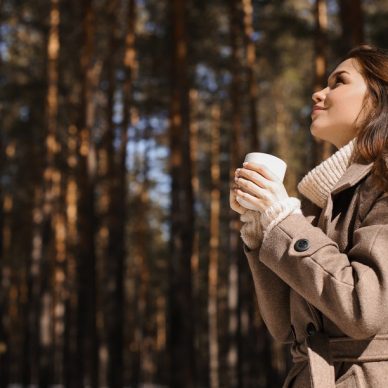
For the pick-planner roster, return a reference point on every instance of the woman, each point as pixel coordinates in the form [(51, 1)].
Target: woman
[(320, 264)]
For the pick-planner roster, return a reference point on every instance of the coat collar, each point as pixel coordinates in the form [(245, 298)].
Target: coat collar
[(318, 183), (354, 173)]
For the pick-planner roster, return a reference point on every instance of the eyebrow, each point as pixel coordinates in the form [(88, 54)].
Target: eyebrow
[(336, 73)]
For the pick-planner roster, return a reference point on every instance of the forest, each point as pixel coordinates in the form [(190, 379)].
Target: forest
[(122, 123)]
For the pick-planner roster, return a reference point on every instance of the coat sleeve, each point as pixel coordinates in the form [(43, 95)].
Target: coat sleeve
[(350, 289), (272, 293)]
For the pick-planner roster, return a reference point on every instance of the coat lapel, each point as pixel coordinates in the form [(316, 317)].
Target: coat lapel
[(353, 175)]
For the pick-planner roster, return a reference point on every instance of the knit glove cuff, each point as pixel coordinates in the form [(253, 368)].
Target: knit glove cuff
[(251, 231), (278, 212)]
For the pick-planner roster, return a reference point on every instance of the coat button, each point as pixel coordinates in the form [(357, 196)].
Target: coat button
[(302, 245), (310, 329)]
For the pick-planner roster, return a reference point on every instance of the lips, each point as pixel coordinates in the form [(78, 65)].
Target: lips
[(317, 109)]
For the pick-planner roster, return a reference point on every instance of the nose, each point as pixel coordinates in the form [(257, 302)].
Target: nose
[(318, 96)]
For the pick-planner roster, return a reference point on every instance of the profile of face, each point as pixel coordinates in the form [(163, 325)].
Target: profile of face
[(341, 102)]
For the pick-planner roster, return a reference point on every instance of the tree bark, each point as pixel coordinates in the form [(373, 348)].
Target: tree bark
[(54, 227), (236, 151), (87, 338), (322, 149), (214, 249), (352, 23), (181, 213), (130, 68), (250, 59)]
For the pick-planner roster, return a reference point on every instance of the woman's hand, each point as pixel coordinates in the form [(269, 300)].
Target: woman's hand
[(258, 186), (232, 201)]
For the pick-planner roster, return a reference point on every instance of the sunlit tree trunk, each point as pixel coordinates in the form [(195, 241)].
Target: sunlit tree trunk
[(58, 220), (322, 149), (87, 339), (54, 231), (250, 59), (182, 215), (214, 249), (247, 299), (195, 259), (7, 210), (70, 321), (195, 184), (236, 151)]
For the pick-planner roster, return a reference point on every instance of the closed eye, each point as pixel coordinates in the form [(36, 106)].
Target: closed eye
[(338, 80)]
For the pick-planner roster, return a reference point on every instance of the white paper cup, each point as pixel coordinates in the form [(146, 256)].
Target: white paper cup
[(274, 164)]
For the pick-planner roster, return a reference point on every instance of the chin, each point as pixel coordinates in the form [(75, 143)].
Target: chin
[(317, 132), (320, 133)]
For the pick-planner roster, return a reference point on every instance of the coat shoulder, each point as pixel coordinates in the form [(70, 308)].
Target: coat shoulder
[(369, 195)]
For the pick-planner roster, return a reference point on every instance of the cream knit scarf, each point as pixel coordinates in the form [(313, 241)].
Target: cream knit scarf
[(318, 182)]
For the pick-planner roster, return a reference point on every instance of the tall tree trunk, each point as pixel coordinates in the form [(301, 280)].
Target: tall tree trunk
[(214, 248), (2, 169), (195, 259), (116, 209), (352, 23), (250, 54), (130, 68), (182, 215), (3, 340), (284, 137), (322, 149), (247, 298), (34, 262), (236, 151), (141, 352), (87, 338), (70, 321), (7, 210), (59, 281), (53, 232), (139, 254)]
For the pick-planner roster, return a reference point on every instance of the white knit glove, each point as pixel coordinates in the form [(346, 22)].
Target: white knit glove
[(251, 231), (257, 225)]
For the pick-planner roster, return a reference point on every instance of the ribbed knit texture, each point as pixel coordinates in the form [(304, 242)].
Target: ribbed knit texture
[(316, 185), (278, 212), (257, 225), (251, 231)]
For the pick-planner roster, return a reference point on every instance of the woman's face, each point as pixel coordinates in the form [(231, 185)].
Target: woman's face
[(341, 101)]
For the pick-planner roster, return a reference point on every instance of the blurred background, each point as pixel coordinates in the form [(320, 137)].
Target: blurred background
[(122, 122)]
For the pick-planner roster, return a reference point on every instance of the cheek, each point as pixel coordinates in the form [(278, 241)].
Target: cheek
[(346, 107)]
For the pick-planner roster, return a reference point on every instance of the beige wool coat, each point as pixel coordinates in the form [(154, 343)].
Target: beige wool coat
[(321, 282)]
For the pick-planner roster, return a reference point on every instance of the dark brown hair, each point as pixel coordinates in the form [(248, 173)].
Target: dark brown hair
[(372, 132)]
